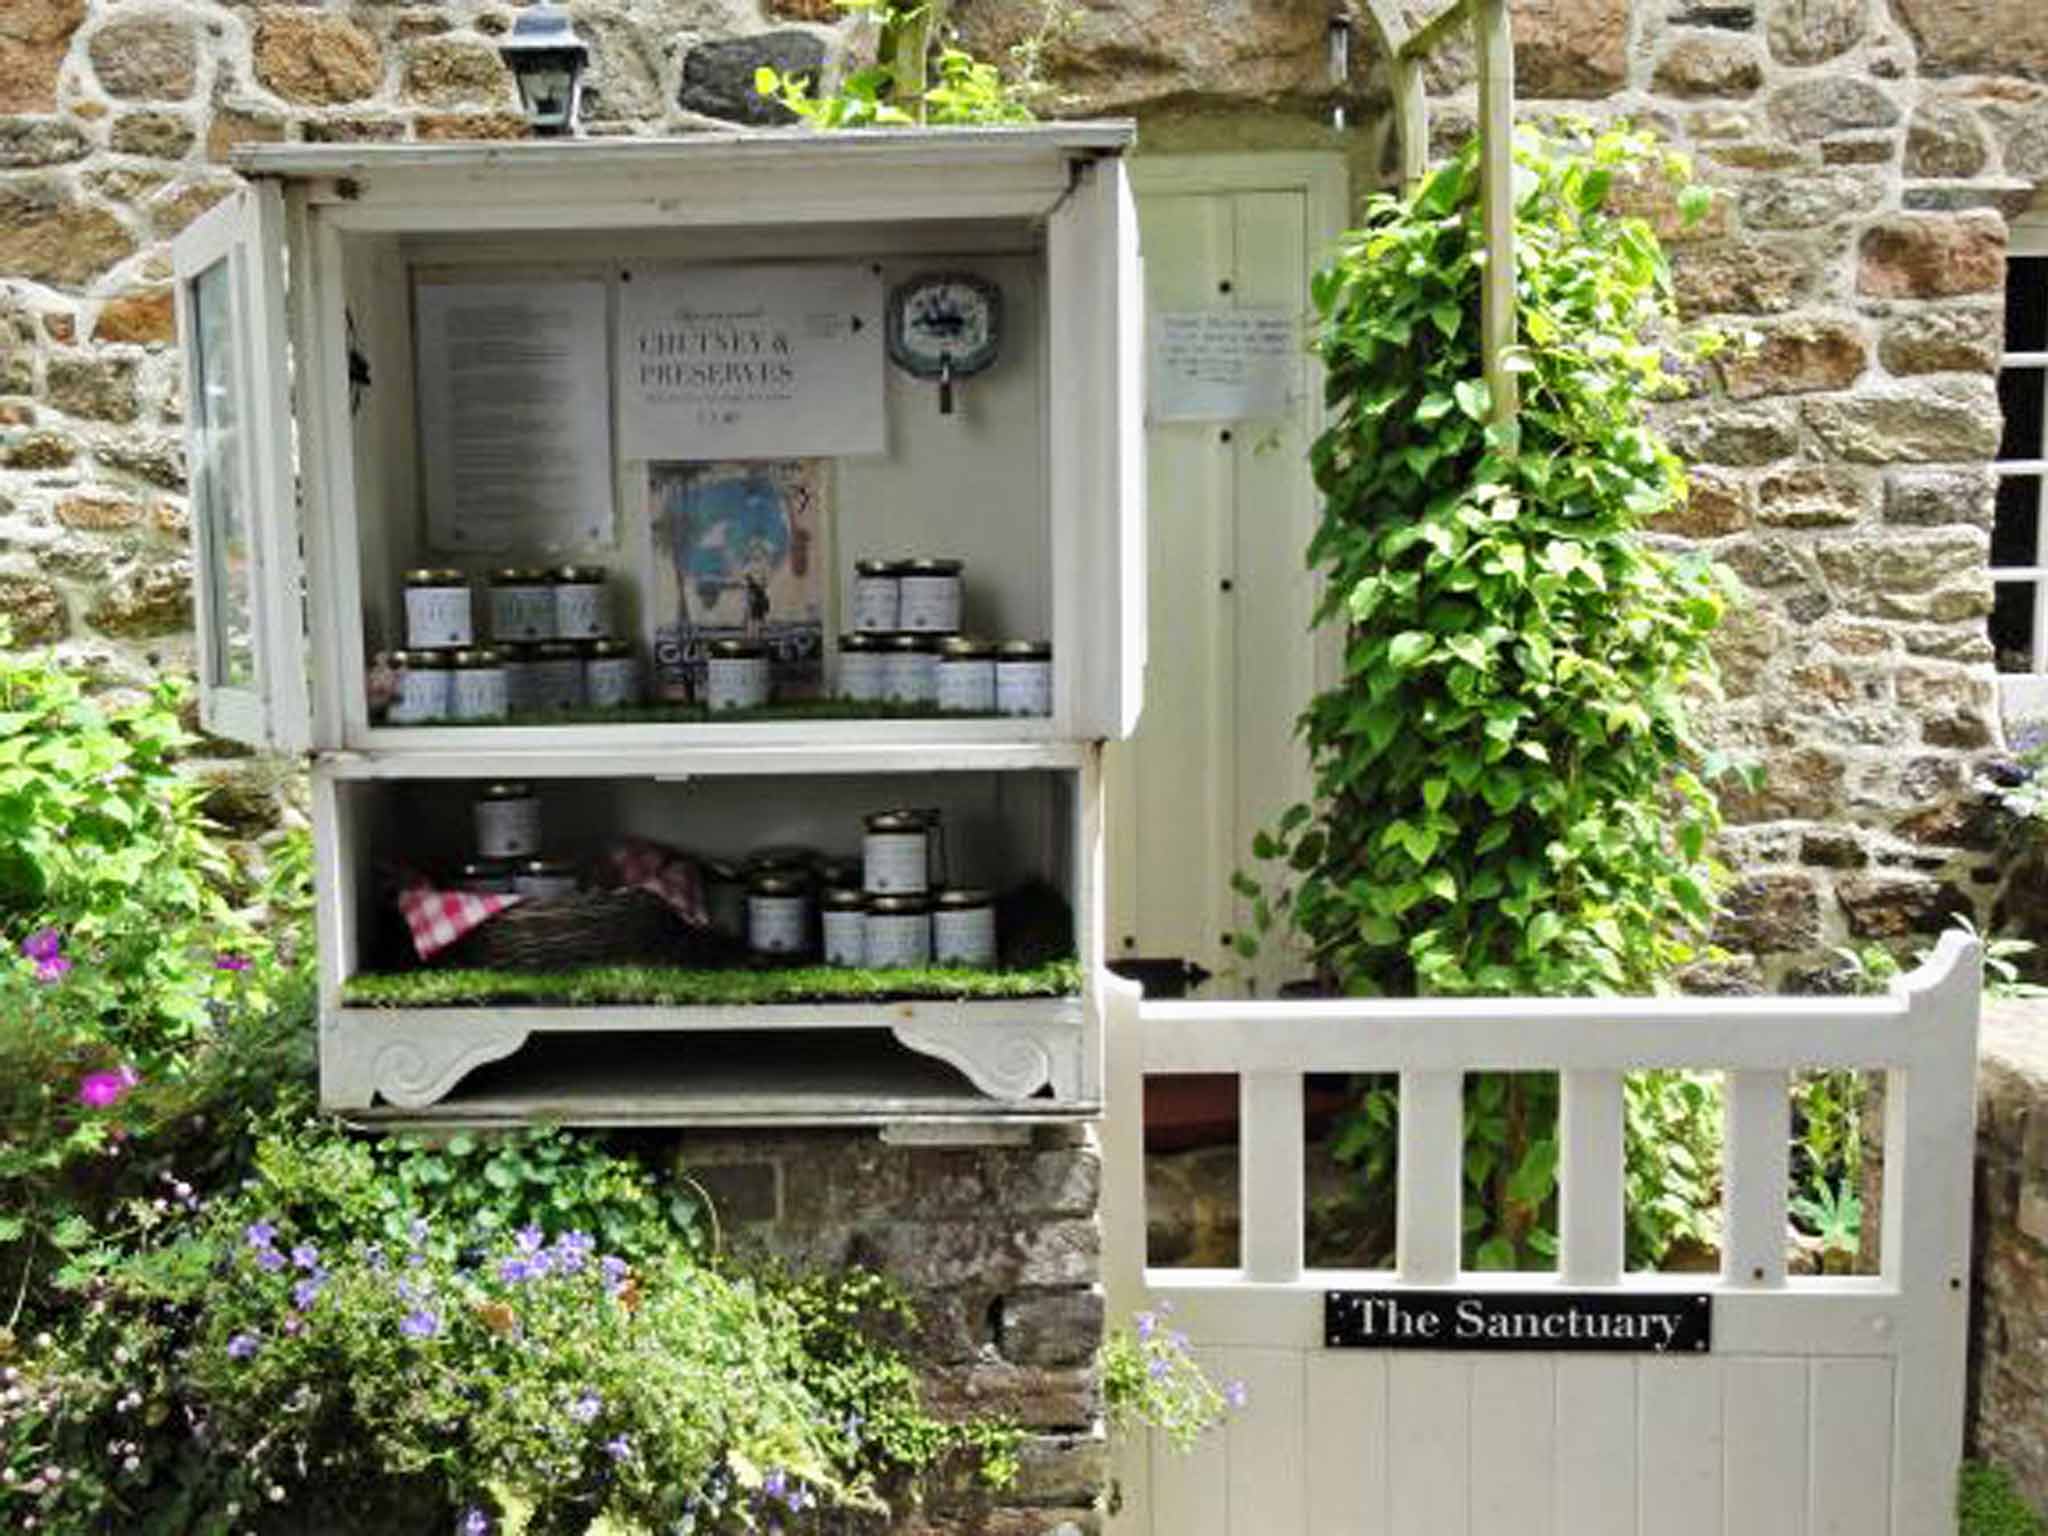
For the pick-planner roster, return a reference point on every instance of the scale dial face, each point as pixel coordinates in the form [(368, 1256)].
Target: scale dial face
[(937, 318)]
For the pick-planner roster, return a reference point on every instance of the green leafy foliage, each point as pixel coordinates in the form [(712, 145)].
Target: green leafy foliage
[(1510, 795), (919, 77), (391, 1336), (1987, 1504)]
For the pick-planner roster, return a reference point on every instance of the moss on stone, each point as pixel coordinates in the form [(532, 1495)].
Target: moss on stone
[(673, 987)]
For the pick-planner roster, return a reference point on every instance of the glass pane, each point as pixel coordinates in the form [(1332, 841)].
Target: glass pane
[(2016, 537), (2012, 625), (2026, 304), (222, 519), (2020, 393)]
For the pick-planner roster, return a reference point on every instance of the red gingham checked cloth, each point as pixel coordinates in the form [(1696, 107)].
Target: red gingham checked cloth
[(638, 865), (438, 918)]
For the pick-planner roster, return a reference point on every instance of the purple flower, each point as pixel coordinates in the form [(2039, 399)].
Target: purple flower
[(412, 1291), (618, 1448), (231, 962), (515, 1270), (1158, 1367), (307, 1291), (586, 1408), (261, 1234), (420, 1324), (531, 1239), (242, 1346), (474, 1523), (52, 970), (43, 946), (572, 1249), (1148, 1324), (103, 1090), (799, 1499), (776, 1483), (1236, 1394), (614, 1270), (269, 1259), (306, 1256), (1180, 1342)]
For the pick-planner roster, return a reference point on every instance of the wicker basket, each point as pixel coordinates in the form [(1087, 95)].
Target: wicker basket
[(589, 928)]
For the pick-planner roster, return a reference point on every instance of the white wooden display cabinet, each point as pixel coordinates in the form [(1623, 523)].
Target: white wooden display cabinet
[(314, 270)]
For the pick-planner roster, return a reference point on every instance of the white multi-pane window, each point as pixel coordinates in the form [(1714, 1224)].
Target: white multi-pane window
[(2019, 539)]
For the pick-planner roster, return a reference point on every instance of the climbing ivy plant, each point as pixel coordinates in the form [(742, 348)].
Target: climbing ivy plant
[(1509, 792), (1510, 796)]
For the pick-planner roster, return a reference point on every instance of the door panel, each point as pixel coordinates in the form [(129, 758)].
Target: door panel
[(1232, 661)]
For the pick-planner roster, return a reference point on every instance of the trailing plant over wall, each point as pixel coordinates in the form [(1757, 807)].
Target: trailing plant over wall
[(919, 77), (1509, 792)]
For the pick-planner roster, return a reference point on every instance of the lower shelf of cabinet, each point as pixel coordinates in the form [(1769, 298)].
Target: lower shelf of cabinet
[(850, 1064)]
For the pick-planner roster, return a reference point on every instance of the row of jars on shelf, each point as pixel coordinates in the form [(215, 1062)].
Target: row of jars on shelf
[(509, 681), (526, 605)]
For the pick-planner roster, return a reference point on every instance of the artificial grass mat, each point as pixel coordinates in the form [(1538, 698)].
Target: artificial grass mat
[(675, 987), (698, 714)]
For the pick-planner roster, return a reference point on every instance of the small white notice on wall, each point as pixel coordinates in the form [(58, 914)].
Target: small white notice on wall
[(751, 362), (1223, 364), (515, 435)]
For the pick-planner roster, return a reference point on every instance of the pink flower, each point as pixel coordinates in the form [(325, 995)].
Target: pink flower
[(43, 945), (51, 970), (103, 1090), (231, 962)]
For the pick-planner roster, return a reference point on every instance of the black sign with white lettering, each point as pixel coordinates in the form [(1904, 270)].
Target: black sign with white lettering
[(1565, 1322)]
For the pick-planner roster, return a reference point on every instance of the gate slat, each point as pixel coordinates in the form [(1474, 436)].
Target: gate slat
[(1589, 1179), (1764, 1419), (1270, 1174), (1190, 1490), (1347, 1444), (1596, 1446), (1514, 1436), (1429, 1213), (1852, 1448), (1759, 1142), (1678, 1432), (1263, 1444), (1429, 1409)]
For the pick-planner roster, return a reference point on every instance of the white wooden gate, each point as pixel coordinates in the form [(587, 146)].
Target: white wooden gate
[(1828, 1407)]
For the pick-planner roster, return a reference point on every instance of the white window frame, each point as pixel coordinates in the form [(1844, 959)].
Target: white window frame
[(2026, 693)]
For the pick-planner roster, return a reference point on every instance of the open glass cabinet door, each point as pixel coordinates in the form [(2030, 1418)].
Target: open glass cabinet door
[(238, 441)]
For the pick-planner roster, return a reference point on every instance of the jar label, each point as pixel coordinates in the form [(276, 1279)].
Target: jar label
[(964, 936), (896, 863), (778, 925), (930, 604), (478, 694), (846, 938), (912, 677), (422, 696), (876, 602), (557, 685), (544, 887), (523, 613), (968, 686), (1024, 687), (899, 938), (581, 612), (613, 682), (436, 617), (508, 829), (863, 676), (519, 692), (736, 682)]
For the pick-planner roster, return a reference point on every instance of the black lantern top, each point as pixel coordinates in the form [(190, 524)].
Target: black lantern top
[(547, 59)]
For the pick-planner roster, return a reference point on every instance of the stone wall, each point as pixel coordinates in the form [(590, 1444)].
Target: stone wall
[(999, 1250), (2009, 1336)]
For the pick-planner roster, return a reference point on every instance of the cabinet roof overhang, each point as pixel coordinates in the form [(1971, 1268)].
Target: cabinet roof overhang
[(764, 169)]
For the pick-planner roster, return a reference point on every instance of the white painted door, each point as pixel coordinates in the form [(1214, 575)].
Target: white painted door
[(1231, 660)]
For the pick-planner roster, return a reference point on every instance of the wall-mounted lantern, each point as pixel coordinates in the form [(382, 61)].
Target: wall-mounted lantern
[(547, 59)]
